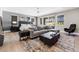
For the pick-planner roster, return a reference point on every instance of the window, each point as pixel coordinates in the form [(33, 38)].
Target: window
[(22, 18), (14, 20), (51, 21), (28, 19), (40, 20), (60, 20), (32, 19), (45, 20)]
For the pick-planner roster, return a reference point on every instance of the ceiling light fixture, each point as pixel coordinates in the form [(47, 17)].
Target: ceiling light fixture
[(37, 10)]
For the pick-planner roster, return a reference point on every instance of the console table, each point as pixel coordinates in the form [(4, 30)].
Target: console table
[(14, 29)]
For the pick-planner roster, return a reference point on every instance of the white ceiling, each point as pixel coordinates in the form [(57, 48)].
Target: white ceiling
[(33, 10)]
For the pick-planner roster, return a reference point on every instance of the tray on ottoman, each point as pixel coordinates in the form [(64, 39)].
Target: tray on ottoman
[(49, 38)]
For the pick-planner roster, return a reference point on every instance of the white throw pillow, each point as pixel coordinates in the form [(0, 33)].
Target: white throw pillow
[(29, 26), (22, 27), (25, 27)]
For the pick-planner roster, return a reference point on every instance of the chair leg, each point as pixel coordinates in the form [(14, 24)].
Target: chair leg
[(71, 34)]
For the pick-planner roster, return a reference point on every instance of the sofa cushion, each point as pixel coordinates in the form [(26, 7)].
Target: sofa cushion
[(39, 32), (48, 27)]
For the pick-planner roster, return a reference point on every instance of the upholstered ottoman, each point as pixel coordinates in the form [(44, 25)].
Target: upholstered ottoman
[(49, 38)]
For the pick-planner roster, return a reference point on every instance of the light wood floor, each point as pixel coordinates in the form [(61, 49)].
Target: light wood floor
[(12, 44)]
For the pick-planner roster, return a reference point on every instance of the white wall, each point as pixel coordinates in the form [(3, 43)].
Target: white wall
[(0, 19), (71, 16), (34, 23), (7, 19), (0, 11)]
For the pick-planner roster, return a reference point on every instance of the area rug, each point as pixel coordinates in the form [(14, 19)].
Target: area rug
[(64, 44), (36, 45)]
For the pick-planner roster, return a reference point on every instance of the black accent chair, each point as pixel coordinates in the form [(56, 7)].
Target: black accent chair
[(71, 29)]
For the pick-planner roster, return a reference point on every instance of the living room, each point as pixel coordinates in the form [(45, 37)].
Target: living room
[(39, 29)]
